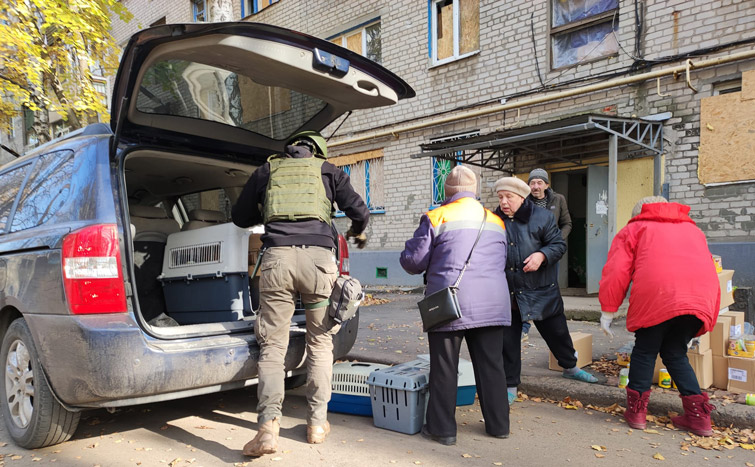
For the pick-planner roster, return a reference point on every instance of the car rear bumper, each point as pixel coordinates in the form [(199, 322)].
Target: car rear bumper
[(108, 360)]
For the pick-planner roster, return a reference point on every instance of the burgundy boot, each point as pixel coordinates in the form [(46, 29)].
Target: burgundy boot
[(637, 409), (696, 418)]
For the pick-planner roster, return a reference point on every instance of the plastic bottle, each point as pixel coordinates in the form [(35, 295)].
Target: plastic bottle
[(623, 377), (664, 379)]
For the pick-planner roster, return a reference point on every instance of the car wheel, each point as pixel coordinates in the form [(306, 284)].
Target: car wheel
[(33, 416), (293, 382)]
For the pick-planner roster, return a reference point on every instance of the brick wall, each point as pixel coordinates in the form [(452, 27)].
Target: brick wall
[(507, 67)]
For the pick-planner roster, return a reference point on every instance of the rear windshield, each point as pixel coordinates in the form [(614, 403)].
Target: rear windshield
[(189, 89)]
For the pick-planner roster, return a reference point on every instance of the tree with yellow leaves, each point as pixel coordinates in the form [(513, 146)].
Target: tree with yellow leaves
[(48, 52)]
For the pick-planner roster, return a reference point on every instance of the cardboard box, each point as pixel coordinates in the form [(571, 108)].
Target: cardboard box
[(727, 290), (741, 375), (703, 344), (720, 372), (719, 264), (703, 366), (736, 328), (582, 345), (719, 337)]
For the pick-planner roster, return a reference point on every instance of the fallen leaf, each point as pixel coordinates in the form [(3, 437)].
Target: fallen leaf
[(655, 432), (749, 447), (174, 462), (658, 456), (466, 455), (599, 455), (598, 448), (709, 126)]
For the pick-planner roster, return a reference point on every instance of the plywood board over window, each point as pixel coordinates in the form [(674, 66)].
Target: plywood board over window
[(727, 142), (446, 31), (470, 26)]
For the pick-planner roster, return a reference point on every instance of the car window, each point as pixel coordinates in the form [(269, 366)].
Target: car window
[(10, 183), (45, 192), (195, 90), (213, 200)]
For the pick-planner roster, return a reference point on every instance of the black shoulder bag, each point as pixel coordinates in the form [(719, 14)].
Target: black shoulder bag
[(443, 306)]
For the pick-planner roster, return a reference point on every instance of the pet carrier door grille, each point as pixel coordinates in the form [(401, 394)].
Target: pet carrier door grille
[(193, 255)]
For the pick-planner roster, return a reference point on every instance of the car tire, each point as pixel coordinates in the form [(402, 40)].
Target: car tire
[(295, 381), (33, 417)]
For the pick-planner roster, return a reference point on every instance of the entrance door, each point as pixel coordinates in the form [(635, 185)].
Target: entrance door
[(597, 224)]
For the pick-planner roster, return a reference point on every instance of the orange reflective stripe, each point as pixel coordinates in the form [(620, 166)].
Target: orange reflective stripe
[(459, 210)]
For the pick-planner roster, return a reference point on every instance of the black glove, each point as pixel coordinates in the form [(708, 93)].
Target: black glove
[(359, 239)]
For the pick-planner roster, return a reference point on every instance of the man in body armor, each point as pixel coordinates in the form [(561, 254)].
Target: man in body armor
[(292, 195)]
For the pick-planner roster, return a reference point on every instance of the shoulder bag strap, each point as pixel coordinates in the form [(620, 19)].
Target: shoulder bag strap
[(479, 233)]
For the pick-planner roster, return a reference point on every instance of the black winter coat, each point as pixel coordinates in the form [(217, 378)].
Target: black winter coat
[(533, 229)]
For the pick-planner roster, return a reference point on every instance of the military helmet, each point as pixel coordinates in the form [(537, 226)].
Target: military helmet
[(311, 139)]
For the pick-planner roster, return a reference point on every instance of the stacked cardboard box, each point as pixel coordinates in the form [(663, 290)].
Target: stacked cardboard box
[(582, 345)]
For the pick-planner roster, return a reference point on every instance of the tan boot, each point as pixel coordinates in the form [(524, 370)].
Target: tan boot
[(316, 434), (266, 441)]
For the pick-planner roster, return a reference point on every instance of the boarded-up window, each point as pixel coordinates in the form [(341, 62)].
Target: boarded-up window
[(365, 169), (455, 29), (364, 39), (583, 30), (727, 142)]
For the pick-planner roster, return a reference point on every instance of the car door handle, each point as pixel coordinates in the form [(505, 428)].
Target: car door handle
[(366, 87)]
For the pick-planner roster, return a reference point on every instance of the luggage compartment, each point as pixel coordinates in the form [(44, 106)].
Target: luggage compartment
[(205, 275)]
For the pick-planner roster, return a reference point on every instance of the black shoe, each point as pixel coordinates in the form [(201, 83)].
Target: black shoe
[(444, 440), (500, 436)]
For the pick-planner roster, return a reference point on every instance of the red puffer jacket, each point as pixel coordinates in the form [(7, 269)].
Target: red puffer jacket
[(666, 258)]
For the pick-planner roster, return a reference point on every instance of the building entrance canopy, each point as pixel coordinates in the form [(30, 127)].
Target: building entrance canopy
[(574, 142)]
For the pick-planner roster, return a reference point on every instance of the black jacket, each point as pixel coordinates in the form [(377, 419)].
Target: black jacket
[(248, 209), (556, 204), (533, 229)]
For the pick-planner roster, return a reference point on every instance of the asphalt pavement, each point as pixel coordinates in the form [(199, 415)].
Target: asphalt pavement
[(391, 333)]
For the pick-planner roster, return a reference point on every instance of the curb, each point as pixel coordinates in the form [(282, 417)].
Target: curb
[(731, 415)]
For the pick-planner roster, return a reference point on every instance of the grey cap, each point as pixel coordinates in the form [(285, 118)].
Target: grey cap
[(539, 173)]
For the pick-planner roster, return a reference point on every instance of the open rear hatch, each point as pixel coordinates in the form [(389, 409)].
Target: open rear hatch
[(240, 88)]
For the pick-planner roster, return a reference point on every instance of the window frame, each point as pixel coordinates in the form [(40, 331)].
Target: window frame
[(574, 26), (433, 34), (368, 178), (195, 11), (254, 7), (434, 203), (360, 28)]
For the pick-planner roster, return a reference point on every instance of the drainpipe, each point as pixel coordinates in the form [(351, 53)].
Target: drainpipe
[(674, 71)]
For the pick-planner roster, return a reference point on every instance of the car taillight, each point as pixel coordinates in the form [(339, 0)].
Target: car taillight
[(343, 253), (92, 271)]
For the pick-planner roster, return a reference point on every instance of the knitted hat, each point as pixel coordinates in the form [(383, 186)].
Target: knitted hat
[(460, 179), (514, 185), (539, 173), (647, 200)]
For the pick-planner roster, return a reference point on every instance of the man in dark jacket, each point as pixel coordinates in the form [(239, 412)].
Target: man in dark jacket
[(534, 247), (542, 195), (293, 195)]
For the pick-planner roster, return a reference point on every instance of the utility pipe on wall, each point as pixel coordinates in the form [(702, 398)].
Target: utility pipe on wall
[(675, 71)]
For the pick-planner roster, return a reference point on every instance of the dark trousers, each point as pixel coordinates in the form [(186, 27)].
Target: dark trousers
[(553, 330), (670, 339), (485, 349)]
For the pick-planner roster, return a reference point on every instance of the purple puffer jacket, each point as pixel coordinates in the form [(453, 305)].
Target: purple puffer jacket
[(440, 247)]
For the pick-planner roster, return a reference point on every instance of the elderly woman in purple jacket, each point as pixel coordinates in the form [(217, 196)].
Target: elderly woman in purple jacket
[(439, 249)]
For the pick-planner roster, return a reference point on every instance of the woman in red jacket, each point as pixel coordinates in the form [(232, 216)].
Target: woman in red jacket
[(675, 297)]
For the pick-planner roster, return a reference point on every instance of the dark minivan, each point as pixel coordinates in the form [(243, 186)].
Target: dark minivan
[(122, 279)]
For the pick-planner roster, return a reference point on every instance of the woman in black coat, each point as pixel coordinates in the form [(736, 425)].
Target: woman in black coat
[(534, 246)]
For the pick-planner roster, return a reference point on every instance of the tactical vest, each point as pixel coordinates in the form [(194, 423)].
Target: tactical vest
[(295, 191)]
